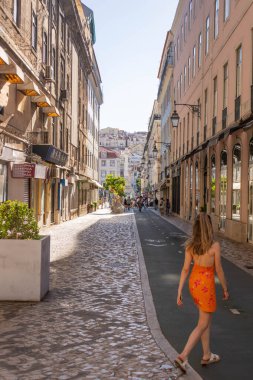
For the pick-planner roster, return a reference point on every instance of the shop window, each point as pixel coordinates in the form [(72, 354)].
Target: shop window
[(236, 186), (213, 183), (223, 189)]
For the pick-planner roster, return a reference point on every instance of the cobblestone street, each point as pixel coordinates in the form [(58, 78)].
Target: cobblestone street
[(92, 324)]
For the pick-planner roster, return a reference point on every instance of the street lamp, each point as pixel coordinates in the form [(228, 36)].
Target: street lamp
[(195, 108), (155, 151)]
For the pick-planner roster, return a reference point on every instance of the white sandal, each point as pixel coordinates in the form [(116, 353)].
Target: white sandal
[(214, 358), (181, 364)]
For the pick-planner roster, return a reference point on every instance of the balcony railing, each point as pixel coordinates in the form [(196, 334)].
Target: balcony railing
[(214, 125), (238, 108), (224, 118), (38, 137)]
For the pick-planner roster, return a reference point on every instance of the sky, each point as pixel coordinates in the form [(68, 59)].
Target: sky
[(130, 36)]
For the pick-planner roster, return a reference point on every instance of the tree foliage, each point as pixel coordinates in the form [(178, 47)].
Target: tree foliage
[(138, 184), (115, 184), (17, 221)]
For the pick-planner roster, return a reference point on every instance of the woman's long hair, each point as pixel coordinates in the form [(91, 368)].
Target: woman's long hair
[(202, 235)]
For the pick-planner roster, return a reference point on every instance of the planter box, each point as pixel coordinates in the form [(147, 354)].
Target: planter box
[(24, 269)]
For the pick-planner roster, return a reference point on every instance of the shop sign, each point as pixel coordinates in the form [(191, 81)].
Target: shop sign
[(25, 170), (40, 172)]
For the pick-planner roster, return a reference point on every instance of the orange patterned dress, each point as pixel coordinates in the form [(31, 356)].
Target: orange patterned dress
[(202, 287)]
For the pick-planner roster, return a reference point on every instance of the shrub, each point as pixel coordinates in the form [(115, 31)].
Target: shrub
[(17, 221)]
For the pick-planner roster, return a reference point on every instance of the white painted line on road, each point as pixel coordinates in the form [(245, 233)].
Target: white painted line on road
[(235, 311)]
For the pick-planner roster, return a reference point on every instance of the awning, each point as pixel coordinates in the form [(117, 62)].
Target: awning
[(51, 111), (29, 88), (50, 153), (4, 58), (42, 101), (12, 73), (97, 184)]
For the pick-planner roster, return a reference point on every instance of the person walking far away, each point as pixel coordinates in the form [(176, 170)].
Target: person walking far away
[(156, 203), (206, 256), (167, 206)]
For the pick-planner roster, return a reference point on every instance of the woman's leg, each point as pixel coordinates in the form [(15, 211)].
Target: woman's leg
[(205, 340), (203, 323)]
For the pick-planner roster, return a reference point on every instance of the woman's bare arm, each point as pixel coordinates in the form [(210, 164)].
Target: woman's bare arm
[(184, 274), (219, 270)]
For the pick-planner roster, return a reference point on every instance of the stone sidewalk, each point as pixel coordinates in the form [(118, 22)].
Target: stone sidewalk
[(241, 254), (92, 324)]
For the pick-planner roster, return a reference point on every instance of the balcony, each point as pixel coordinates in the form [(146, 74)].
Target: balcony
[(238, 108), (37, 138), (50, 153), (224, 118), (214, 125)]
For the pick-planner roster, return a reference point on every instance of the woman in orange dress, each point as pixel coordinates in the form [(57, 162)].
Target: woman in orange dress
[(205, 253)]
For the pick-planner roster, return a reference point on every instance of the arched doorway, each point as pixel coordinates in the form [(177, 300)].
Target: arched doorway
[(213, 184)]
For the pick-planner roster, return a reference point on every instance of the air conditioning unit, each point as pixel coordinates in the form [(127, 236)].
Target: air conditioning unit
[(49, 74), (64, 94)]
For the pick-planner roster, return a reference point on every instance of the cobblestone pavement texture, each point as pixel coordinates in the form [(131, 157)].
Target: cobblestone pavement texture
[(241, 254), (92, 324)]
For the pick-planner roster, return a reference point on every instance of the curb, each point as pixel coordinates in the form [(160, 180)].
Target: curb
[(151, 315)]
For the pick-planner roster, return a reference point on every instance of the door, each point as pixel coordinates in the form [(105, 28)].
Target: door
[(250, 201), (223, 190)]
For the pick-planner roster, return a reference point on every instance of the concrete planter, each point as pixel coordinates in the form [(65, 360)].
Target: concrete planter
[(24, 269)]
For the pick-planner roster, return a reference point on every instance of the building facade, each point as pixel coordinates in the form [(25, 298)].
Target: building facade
[(47, 64), (110, 163)]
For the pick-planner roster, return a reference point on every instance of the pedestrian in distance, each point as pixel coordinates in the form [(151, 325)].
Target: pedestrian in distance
[(205, 253), (167, 206), (140, 203), (156, 203)]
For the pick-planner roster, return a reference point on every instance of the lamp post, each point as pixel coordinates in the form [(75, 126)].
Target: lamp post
[(195, 108)]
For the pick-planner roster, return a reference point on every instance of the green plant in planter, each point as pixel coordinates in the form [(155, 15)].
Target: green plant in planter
[(17, 221), (95, 204)]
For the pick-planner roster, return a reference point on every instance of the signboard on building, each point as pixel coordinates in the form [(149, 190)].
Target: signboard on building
[(40, 171), (25, 170)]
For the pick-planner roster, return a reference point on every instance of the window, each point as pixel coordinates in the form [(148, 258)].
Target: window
[(236, 187), (182, 37), (194, 61), (44, 48), (16, 12), (103, 173), (190, 15), (185, 26), (216, 19), (226, 9), (34, 30), (189, 71), (225, 85), (112, 162), (61, 137), (238, 71), (103, 162), (177, 47), (215, 97), (62, 25), (54, 62), (181, 84), (178, 89), (185, 74), (200, 50), (207, 35), (62, 78), (205, 107)]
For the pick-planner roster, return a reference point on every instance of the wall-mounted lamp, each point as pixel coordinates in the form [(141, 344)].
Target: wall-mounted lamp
[(155, 150), (195, 108)]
